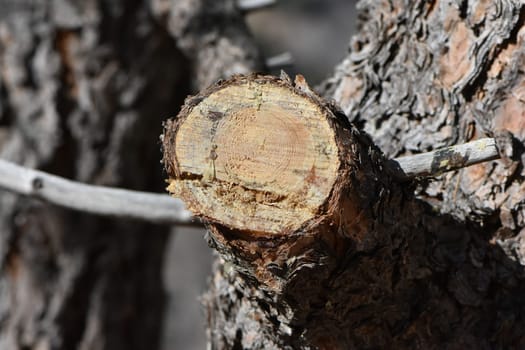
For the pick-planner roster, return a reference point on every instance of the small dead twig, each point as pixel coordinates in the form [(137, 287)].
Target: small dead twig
[(281, 60), (444, 159), (252, 5), (156, 208)]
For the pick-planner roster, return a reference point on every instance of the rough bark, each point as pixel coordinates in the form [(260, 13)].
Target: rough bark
[(84, 87), (430, 264), (421, 75)]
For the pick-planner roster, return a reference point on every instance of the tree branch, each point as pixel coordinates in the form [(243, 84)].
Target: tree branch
[(252, 5), (444, 159), (156, 208), (281, 60), (159, 208)]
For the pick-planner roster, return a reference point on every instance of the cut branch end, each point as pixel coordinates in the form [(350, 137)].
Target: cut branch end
[(255, 154)]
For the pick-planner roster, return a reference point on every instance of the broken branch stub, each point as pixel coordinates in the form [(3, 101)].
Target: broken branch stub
[(256, 154)]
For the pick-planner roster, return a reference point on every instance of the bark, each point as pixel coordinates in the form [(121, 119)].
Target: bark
[(421, 75), (429, 264), (84, 87)]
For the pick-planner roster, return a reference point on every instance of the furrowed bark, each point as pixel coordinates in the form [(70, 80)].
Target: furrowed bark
[(423, 75), (371, 266), (420, 75)]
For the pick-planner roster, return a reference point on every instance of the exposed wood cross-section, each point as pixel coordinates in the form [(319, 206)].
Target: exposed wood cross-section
[(253, 154)]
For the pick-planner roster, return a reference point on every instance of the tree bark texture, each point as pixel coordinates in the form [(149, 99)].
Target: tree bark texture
[(84, 88), (430, 264)]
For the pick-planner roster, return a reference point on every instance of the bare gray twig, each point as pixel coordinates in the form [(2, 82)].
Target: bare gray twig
[(157, 208), (251, 5), (445, 159), (281, 60)]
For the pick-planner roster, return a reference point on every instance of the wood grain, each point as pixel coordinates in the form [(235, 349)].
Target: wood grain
[(254, 155)]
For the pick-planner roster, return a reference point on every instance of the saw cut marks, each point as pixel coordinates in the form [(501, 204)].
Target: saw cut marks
[(254, 155)]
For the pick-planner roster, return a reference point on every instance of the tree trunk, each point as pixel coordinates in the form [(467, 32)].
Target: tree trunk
[(432, 263), (84, 87)]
